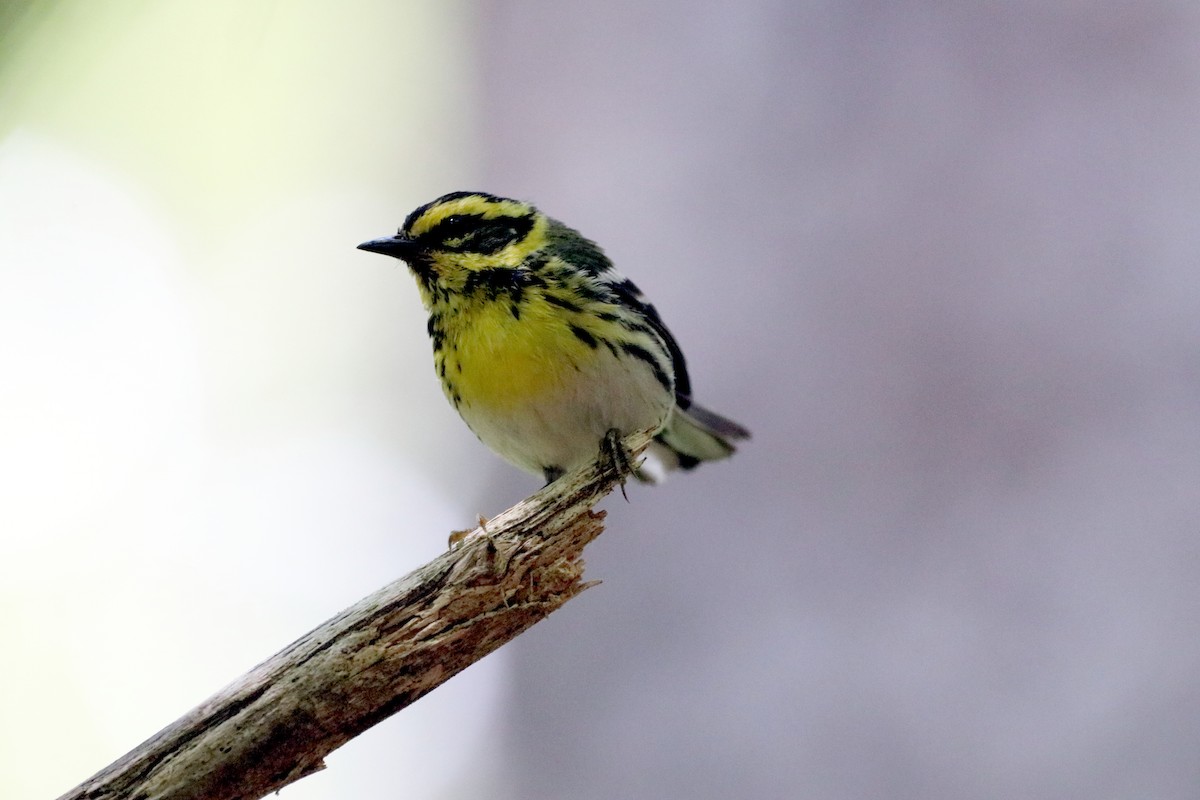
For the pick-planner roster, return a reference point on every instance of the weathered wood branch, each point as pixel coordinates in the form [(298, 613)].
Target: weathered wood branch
[(276, 723)]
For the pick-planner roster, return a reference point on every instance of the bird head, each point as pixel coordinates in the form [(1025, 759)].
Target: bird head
[(445, 241)]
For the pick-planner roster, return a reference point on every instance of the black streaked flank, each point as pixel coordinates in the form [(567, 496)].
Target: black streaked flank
[(643, 354), (589, 292), (562, 302), (632, 323), (629, 295), (585, 337), (452, 393)]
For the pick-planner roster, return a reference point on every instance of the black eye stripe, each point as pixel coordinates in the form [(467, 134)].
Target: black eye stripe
[(473, 233)]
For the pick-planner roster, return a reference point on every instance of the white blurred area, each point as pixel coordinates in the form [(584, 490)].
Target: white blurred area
[(219, 425)]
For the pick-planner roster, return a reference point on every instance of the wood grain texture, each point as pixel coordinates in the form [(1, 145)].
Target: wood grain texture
[(276, 723)]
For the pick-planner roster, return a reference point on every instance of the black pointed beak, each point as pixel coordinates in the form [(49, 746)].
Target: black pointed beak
[(394, 246)]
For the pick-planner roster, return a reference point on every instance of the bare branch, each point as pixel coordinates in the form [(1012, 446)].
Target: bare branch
[(276, 723)]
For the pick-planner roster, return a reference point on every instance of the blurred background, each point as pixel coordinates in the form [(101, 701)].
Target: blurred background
[(940, 258)]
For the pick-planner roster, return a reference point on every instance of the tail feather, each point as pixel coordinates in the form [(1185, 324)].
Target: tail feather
[(692, 435), (714, 423)]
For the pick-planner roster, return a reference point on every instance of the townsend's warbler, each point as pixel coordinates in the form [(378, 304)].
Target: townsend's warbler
[(545, 350)]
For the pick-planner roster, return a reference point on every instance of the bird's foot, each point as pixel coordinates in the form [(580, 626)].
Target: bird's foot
[(616, 460)]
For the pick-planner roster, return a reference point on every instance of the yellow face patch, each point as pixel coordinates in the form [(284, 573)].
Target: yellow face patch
[(465, 232)]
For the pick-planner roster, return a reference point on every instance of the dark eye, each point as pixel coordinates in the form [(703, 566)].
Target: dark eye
[(455, 226)]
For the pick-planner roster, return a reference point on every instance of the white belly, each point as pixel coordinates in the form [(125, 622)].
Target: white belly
[(562, 426)]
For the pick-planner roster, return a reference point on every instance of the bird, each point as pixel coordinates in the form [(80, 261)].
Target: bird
[(547, 352)]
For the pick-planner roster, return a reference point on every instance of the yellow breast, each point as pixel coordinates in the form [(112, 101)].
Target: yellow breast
[(497, 360)]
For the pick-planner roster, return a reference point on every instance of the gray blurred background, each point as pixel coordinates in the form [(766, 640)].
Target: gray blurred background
[(940, 258)]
